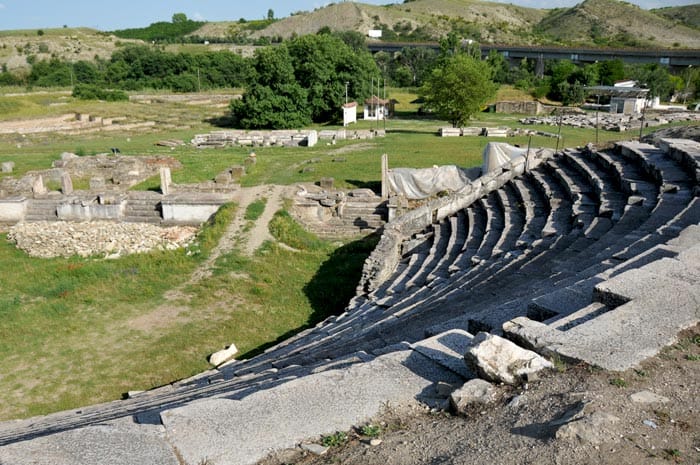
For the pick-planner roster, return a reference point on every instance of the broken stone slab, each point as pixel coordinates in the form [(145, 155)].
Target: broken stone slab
[(500, 360), (217, 358), (448, 350), (473, 392)]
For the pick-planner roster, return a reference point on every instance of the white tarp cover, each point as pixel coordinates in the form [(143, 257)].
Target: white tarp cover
[(496, 154), (418, 184)]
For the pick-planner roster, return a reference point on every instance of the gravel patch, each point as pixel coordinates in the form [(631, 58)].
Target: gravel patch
[(108, 239)]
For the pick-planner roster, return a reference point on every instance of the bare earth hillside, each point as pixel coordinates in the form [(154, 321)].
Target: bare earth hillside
[(613, 18)]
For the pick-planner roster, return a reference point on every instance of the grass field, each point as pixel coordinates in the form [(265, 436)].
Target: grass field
[(79, 331)]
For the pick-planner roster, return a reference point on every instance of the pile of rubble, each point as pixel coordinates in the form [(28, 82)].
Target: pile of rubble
[(110, 240), (611, 121)]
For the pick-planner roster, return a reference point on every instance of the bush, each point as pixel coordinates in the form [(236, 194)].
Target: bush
[(91, 92)]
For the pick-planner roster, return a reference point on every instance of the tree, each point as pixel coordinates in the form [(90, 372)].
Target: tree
[(179, 18), (322, 65), (275, 100), (270, 15), (459, 88)]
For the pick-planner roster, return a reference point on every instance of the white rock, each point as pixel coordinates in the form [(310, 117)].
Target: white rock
[(647, 397), (499, 360), (217, 358), (475, 391), (596, 428), (315, 449)]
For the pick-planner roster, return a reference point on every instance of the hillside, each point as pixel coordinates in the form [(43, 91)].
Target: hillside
[(615, 23), (611, 23), (688, 15), (20, 46), (601, 23), (420, 19)]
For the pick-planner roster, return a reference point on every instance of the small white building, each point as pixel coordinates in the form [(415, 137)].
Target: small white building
[(374, 33), (378, 109), (349, 113), (624, 97)]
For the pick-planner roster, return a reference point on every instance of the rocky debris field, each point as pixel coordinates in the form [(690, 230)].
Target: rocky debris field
[(611, 121), (107, 239)]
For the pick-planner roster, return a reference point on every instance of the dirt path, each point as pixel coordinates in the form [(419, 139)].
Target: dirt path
[(236, 235)]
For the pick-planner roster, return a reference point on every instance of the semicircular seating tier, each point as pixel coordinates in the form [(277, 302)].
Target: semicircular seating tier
[(593, 255)]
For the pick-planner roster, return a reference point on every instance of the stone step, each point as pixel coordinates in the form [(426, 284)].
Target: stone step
[(458, 237), (477, 217), (495, 224)]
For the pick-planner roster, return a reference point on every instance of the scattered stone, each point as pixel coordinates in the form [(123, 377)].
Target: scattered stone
[(327, 183), (217, 358), (166, 180), (362, 192), (499, 360), (315, 449), (650, 424), (48, 239), (594, 429), (473, 392), (237, 172), (97, 183), (68, 156), (648, 397), (8, 166), (223, 178), (375, 442), (66, 184)]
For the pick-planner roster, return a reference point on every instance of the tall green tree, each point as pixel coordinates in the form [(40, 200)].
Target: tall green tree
[(323, 64), (275, 100), (458, 88)]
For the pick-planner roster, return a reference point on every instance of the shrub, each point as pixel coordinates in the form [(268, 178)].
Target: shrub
[(92, 92)]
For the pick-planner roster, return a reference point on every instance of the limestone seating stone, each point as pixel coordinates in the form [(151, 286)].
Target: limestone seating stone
[(536, 212), (514, 216), (611, 202), (494, 228), (560, 214), (458, 236), (441, 237), (477, 217), (584, 206), (639, 299)]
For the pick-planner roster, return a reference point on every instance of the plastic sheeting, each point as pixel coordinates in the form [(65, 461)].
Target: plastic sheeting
[(418, 184), (497, 154)]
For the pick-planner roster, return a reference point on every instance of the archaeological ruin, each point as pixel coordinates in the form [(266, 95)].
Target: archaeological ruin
[(563, 254)]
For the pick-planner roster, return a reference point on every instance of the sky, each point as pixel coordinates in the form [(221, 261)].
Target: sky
[(107, 16)]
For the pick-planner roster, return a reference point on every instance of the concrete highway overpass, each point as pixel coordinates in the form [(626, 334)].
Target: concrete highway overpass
[(675, 58)]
